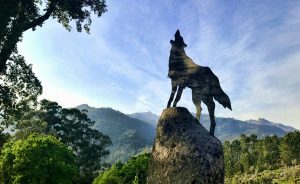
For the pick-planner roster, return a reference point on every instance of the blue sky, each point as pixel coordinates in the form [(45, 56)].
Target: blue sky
[(252, 46)]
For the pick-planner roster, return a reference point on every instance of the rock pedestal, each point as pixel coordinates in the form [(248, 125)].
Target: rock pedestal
[(184, 152)]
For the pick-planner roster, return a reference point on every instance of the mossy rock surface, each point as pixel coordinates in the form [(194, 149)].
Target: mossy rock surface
[(184, 152)]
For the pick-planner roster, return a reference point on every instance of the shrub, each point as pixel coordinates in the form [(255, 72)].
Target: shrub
[(134, 171)]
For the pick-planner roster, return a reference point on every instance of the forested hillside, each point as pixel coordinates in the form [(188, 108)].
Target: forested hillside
[(267, 160), (129, 135)]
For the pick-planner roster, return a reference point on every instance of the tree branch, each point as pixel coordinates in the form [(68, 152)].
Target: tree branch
[(40, 20)]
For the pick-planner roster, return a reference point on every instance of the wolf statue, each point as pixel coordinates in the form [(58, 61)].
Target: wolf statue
[(204, 83)]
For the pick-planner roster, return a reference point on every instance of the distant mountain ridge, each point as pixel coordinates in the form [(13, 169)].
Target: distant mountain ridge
[(147, 117), (279, 125), (131, 133), (230, 128)]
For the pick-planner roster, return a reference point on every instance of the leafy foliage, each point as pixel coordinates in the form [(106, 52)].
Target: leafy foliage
[(19, 89), (39, 159), (73, 128), (110, 176), (285, 175), (3, 137), (134, 171), (249, 155), (17, 16), (290, 148)]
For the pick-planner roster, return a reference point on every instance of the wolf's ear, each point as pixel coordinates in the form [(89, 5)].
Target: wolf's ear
[(171, 42)]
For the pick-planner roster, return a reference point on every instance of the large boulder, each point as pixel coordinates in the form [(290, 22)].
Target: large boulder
[(184, 152)]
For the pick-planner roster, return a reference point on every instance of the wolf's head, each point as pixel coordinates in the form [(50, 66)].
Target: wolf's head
[(179, 43)]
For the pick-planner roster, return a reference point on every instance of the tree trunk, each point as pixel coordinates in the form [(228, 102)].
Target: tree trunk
[(7, 49), (11, 41)]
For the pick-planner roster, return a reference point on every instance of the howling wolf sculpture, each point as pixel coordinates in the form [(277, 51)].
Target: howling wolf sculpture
[(203, 82)]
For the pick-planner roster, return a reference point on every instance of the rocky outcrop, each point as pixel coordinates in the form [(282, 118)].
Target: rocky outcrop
[(184, 152)]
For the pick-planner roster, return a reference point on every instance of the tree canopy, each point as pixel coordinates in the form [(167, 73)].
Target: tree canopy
[(19, 88), (39, 159), (73, 128), (249, 155), (18, 85), (3, 137), (17, 16), (134, 171)]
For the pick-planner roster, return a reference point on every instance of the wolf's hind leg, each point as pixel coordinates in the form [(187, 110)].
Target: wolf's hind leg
[(197, 102), (199, 109), (211, 110)]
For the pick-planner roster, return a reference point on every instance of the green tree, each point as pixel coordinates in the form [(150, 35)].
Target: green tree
[(19, 89), (228, 159), (74, 129), (271, 152), (39, 159), (136, 167), (136, 180), (110, 176), (245, 157), (249, 153), (251, 157), (290, 148), (17, 16), (3, 137), (241, 155), (134, 171), (236, 149)]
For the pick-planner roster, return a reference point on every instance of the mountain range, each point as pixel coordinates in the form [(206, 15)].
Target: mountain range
[(128, 135), (229, 128), (131, 133)]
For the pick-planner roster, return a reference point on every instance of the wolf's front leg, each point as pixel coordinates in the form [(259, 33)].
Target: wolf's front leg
[(174, 89), (178, 96)]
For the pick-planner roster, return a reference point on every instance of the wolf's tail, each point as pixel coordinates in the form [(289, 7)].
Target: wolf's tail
[(218, 93)]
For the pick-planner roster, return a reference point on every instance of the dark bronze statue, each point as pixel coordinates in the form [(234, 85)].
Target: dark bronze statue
[(203, 82)]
